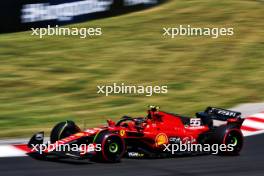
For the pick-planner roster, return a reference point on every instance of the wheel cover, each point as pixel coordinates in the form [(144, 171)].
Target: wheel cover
[(113, 147), (234, 140)]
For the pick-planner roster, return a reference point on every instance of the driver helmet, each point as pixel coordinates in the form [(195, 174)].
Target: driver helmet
[(153, 112)]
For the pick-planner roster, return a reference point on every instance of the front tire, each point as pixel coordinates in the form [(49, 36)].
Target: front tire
[(63, 130), (112, 147)]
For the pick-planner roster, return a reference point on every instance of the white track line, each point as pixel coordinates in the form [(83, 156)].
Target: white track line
[(258, 115), (10, 151), (247, 133)]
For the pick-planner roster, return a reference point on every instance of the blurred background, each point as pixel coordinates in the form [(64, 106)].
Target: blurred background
[(44, 81)]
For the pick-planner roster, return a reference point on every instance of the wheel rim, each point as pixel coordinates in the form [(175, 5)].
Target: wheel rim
[(113, 147), (234, 140)]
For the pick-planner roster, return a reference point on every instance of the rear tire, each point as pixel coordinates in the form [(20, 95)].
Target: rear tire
[(235, 138), (230, 136), (63, 130)]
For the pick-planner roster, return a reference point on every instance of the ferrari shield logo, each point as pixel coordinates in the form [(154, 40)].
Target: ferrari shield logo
[(122, 132)]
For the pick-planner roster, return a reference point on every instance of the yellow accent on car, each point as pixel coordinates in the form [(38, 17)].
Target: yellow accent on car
[(79, 134)]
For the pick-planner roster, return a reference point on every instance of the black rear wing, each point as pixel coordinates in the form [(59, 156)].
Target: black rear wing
[(221, 114)]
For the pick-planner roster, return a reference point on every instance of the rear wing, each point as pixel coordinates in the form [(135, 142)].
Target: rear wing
[(221, 114)]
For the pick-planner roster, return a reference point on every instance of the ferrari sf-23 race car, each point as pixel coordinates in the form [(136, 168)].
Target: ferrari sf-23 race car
[(142, 136)]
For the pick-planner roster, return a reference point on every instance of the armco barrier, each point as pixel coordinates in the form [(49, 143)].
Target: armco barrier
[(18, 15)]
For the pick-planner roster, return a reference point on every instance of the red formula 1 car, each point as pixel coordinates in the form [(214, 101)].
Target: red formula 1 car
[(143, 136)]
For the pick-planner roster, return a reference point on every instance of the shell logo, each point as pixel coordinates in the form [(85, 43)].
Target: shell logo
[(122, 132), (160, 139)]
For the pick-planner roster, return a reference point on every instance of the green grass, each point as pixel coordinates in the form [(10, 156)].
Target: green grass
[(44, 81)]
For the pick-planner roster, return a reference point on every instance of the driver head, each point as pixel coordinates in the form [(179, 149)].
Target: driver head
[(152, 111), (154, 108)]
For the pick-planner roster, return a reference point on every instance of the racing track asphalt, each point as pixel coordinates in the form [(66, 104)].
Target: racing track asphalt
[(249, 163)]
